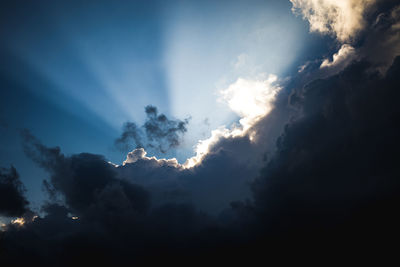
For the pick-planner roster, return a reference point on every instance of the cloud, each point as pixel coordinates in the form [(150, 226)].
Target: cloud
[(325, 172), (12, 199), (377, 21), (130, 133), (334, 174), (333, 177), (158, 132), (342, 58), (161, 132), (303, 67), (379, 43), (229, 159), (382, 43), (343, 19), (86, 182), (346, 55), (251, 100)]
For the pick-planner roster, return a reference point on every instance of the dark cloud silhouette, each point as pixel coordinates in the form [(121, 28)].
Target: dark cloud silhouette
[(332, 179), (161, 132), (329, 183), (86, 182), (335, 175), (158, 132), (12, 199), (114, 219), (382, 43), (130, 133)]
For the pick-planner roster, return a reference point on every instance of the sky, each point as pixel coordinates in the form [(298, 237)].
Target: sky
[(90, 67), (141, 122)]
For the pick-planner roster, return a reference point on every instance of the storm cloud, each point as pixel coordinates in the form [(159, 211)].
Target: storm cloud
[(333, 176), (310, 169), (335, 171), (85, 182)]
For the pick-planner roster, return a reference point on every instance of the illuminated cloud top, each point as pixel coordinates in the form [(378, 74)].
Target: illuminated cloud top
[(256, 139)]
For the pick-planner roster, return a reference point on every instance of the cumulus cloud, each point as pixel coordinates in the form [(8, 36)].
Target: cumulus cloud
[(379, 44), (86, 182), (251, 100), (377, 20), (228, 160), (335, 172), (158, 132), (141, 154), (340, 18), (224, 164), (333, 178), (329, 175)]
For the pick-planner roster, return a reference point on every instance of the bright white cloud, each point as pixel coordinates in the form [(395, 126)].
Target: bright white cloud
[(251, 100), (230, 158), (140, 154), (202, 56), (341, 18), (341, 59)]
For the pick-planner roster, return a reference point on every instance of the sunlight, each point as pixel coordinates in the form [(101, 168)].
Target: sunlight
[(251, 100)]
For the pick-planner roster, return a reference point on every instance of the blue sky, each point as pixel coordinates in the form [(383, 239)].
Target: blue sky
[(190, 129), (74, 73)]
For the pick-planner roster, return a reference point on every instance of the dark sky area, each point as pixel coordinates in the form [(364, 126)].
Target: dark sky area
[(140, 132)]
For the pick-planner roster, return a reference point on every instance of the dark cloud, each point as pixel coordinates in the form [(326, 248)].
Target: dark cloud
[(158, 132), (161, 132), (12, 199), (130, 133), (216, 175), (115, 219), (335, 175), (86, 182), (330, 182), (145, 208), (382, 42)]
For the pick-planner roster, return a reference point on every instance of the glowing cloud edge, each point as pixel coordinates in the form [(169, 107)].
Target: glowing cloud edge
[(252, 100)]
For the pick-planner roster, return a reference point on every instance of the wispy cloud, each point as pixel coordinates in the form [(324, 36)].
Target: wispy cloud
[(158, 132)]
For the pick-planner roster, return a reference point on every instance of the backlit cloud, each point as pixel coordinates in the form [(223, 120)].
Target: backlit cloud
[(340, 60), (340, 18), (251, 100), (310, 157)]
